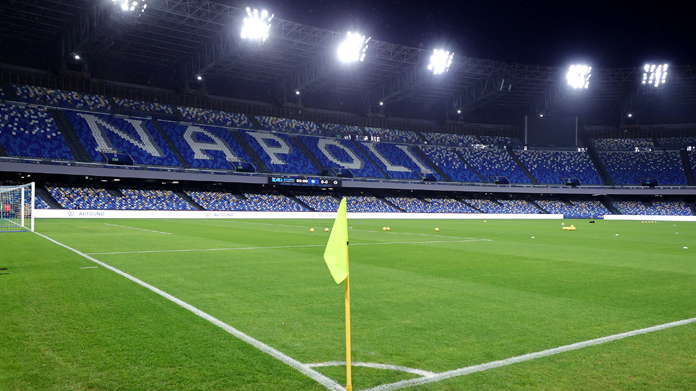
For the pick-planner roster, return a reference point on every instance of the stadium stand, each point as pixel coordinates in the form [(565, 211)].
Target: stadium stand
[(39, 203), (213, 117), (449, 162), (342, 129), (622, 144), (495, 163), (60, 98), (139, 138), (151, 107), (368, 204), (129, 199), (574, 208), (497, 140), (502, 206), (675, 141), (399, 161), (205, 146), (279, 152), (31, 132), (288, 125), (656, 208), (449, 205), (393, 135), (628, 168), (272, 203), (341, 153), (550, 166), (451, 140), (319, 202)]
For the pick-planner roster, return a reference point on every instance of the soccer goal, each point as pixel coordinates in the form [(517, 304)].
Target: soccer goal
[(17, 208)]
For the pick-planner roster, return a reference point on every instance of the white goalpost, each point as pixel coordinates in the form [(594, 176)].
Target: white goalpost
[(17, 208)]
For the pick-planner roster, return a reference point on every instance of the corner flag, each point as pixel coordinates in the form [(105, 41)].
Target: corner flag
[(336, 253)]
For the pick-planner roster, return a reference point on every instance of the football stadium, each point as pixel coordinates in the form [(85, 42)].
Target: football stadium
[(215, 195)]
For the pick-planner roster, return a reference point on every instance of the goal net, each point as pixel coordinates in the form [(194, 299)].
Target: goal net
[(17, 208)]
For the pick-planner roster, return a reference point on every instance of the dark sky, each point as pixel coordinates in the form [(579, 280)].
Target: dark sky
[(554, 33)]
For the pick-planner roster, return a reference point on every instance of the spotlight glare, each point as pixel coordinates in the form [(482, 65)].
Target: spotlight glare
[(440, 61), (256, 26), (131, 6), (578, 76), (654, 75), (353, 48)]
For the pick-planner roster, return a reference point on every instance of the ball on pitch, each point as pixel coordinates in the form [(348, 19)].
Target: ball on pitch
[(311, 230), (326, 230), (388, 229), (437, 229), (384, 228)]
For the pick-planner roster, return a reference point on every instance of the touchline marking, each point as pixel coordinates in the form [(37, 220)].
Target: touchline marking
[(525, 357), (277, 247), (330, 384), (139, 229)]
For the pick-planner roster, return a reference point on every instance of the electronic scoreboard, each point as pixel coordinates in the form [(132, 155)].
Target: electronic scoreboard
[(308, 182)]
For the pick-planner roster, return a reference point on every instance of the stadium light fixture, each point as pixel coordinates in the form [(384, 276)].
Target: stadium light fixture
[(256, 25), (578, 76), (353, 48), (199, 77), (132, 6), (655, 75), (440, 61), (76, 57)]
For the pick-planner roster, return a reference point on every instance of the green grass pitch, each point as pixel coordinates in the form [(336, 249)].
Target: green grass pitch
[(472, 293)]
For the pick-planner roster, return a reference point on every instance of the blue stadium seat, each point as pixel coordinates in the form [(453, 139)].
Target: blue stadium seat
[(27, 131)]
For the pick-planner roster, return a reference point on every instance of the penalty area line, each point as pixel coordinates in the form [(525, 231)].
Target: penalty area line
[(139, 229), (325, 381), (525, 357)]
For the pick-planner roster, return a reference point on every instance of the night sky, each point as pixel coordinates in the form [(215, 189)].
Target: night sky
[(606, 34)]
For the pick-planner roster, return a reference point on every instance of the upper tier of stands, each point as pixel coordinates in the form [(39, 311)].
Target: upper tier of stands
[(550, 166), (628, 168), (31, 132)]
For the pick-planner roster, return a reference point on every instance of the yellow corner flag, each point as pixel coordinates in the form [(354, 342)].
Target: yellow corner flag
[(336, 253)]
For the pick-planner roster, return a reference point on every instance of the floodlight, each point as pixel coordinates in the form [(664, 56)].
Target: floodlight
[(256, 25), (199, 77), (297, 92), (440, 61), (353, 48), (76, 57), (578, 76), (133, 6), (654, 75)]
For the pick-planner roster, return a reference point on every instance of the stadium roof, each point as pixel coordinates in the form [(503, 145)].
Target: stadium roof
[(174, 41)]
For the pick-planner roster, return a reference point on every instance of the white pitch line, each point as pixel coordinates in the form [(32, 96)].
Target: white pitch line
[(525, 357), (415, 371), (325, 381), (139, 229), (278, 247)]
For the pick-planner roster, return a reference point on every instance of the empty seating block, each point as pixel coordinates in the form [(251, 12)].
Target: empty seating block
[(342, 129), (451, 140), (98, 198), (627, 168), (495, 163), (152, 107), (551, 166), (574, 208), (368, 204), (31, 132), (449, 205), (272, 203), (213, 117), (450, 163), (137, 137), (39, 203), (205, 146), (657, 208), (676, 141), (399, 161), (399, 136), (430, 205), (503, 206), (496, 140), (341, 153), (279, 153), (288, 125), (622, 144), (320, 203), (68, 99)]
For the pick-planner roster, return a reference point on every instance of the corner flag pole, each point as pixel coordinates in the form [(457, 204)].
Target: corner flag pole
[(349, 380), (336, 257)]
